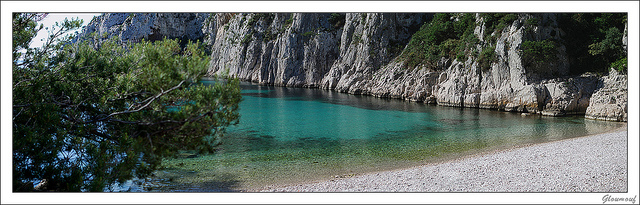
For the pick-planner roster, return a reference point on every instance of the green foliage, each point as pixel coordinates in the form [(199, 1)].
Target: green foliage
[(309, 34), (266, 17), (306, 36), (247, 38), (363, 17), (496, 22), (337, 20), (533, 21), (25, 28), (486, 57), (620, 65), (289, 21), (268, 36), (357, 38), (441, 37), (612, 43), (537, 52), (86, 116), (287, 24), (593, 40), (449, 47)]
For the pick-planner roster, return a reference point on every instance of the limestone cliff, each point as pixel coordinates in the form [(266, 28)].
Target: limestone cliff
[(133, 27), (333, 51), (609, 102), (358, 53), (307, 50)]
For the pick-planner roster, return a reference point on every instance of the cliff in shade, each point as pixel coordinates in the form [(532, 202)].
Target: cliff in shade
[(133, 27), (366, 53)]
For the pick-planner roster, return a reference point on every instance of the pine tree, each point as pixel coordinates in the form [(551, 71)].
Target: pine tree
[(86, 115)]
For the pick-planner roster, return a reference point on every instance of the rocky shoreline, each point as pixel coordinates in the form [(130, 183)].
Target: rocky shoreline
[(596, 163)]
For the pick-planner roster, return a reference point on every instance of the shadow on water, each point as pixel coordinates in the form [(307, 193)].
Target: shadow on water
[(172, 180), (327, 96), (224, 183)]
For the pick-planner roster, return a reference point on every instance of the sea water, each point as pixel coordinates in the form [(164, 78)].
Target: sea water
[(295, 135)]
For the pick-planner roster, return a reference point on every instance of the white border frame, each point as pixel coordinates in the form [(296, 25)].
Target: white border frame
[(322, 6)]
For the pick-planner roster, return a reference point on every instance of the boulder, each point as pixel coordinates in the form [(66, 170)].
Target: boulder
[(609, 102)]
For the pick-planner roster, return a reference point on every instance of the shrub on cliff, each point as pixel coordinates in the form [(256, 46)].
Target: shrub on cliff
[(594, 41), (446, 35), (537, 52), (85, 117), (486, 57), (496, 22)]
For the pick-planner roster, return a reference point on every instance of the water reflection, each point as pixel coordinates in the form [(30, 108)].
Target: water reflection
[(287, 118), (326, 96)]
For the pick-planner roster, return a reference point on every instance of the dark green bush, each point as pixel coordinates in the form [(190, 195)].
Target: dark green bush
[(537, 52), (496, 22), (486, 57), (610, 45), (533, 21), (337, 20), (441, 37), (449, 47), (309, 33), (593, 40), (620, 65)]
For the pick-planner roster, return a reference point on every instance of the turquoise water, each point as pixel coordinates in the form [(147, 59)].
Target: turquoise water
[(293, 135)]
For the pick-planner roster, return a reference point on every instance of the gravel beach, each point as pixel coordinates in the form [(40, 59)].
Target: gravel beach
[(596, 163)]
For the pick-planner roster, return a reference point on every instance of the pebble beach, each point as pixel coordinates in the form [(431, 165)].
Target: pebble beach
[(596, 163)]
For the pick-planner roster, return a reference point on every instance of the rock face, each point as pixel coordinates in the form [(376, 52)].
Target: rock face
[(133, 27), (312, 50), (510, 85), (332, 51), (358, 53), (281, 49), (609, 102)]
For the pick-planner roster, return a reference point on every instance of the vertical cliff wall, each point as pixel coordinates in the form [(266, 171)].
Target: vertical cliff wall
[(324, 50), (361, 53)]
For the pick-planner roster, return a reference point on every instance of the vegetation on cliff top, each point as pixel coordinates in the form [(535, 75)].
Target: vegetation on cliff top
[(593, 41), (450, 35), (446, 35), (537, 52)]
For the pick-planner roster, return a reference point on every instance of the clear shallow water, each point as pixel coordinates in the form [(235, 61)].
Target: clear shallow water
[(293, 135)]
